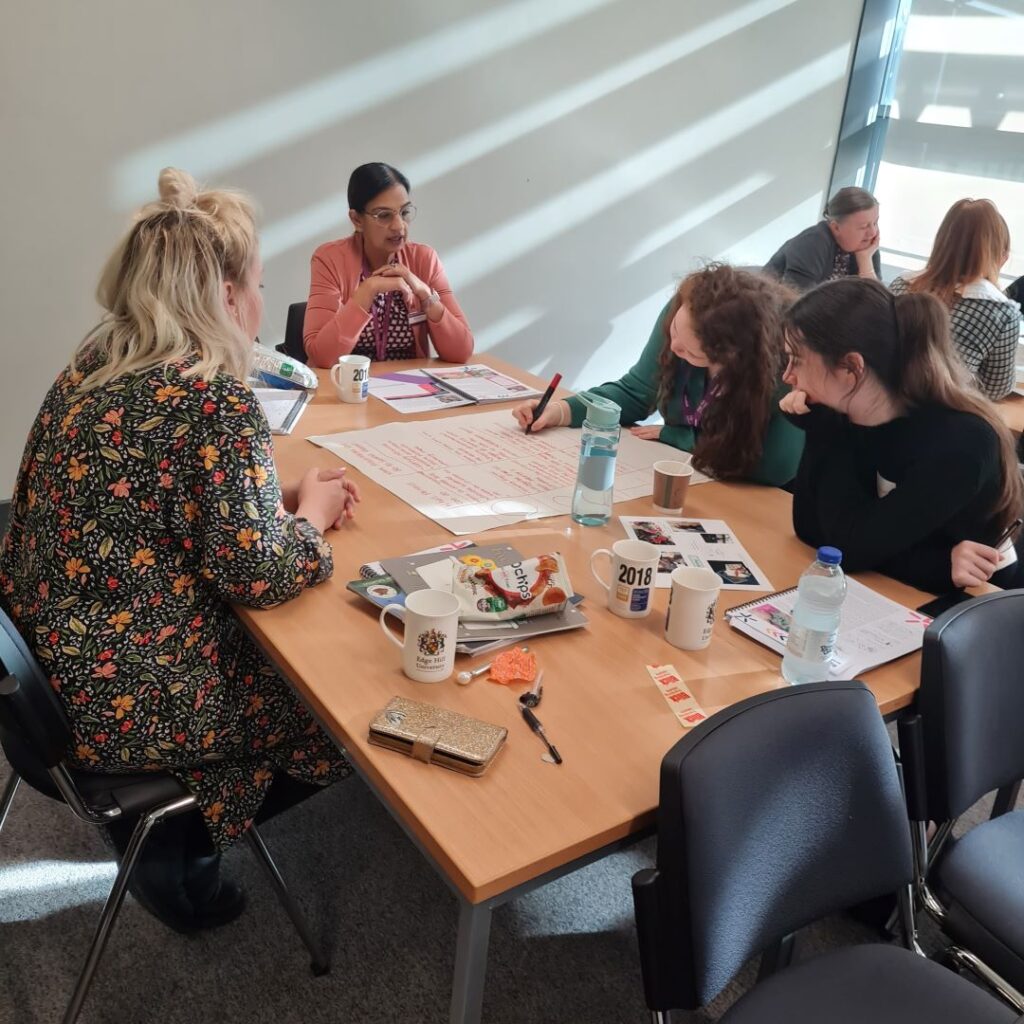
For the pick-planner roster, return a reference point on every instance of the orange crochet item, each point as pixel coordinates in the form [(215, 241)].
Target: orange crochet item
[(514, 666)]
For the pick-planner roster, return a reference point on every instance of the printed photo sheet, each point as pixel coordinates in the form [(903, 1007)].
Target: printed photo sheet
[(476, 472), (704, 543)]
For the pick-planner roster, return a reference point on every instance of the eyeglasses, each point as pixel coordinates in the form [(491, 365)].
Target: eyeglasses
[(386, 216)]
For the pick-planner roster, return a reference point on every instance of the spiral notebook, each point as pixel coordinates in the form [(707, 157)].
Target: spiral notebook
[(872, 629)]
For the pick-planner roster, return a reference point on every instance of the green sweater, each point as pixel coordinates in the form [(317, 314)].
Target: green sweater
[(636, 394)]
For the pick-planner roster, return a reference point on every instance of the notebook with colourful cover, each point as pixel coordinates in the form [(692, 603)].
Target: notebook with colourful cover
[(872, 629)]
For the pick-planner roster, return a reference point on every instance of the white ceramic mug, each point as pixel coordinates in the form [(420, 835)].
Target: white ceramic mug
[(691, 607), (671, 482), (431, 631), (634, 571), (351, 377)]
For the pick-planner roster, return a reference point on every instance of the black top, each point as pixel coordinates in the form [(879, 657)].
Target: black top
[(812, 256), (945, 466)]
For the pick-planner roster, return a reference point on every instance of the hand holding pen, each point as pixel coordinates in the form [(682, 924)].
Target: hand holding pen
[(530, 415)]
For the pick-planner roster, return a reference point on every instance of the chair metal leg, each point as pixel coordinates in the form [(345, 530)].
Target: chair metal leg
[(659, 1017), (116, 898), (319, 964), (967, 960), (5, 801)]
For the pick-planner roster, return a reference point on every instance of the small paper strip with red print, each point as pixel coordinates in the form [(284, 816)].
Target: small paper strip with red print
[(683, 703)]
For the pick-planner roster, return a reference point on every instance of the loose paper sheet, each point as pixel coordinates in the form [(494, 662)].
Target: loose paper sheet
[(474, 473), (705, 543)]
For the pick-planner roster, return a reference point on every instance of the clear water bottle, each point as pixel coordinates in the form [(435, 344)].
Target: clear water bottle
[(815, 626), (595, 478)]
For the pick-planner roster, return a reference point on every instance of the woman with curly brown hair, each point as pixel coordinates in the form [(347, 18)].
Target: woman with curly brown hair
[(712, 367)]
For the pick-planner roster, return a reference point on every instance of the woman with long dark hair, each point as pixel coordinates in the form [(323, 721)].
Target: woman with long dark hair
[(712, 368), (376, 293), (907, 469), (971, 247)]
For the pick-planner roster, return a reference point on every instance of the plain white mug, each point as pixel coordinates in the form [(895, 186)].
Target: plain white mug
[(634, 569), (351, 377), (691, 607), (431, 631)]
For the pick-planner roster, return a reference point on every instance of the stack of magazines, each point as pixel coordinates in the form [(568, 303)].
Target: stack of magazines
[(390, 580)]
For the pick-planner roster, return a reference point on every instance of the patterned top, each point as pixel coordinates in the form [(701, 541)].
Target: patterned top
[(840, 265), (141, 509), (985, 325), (401, 342)]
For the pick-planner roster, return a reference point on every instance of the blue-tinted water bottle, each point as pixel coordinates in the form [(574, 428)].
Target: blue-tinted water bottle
[(815, 626), (595, 478)]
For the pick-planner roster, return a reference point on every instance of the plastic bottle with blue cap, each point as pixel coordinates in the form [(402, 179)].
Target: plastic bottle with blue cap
[(595, 478), (815, 627)]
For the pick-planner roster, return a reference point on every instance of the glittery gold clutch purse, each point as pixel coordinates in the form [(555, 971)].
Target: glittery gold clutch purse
[(437, 736)]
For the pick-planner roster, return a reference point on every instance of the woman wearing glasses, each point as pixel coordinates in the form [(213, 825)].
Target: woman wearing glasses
[(376, 293)]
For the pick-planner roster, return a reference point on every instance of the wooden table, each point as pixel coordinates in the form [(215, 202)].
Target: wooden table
[(526, 821)]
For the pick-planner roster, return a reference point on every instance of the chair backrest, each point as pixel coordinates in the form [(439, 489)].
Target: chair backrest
[(971, 702), (293, 344), (34, 730), (773, 813)]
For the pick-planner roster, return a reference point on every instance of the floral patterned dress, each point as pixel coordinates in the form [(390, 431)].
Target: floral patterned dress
[(142, 509)]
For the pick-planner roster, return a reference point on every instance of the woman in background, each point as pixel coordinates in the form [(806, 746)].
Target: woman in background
[(712, 367), (376, 293), (147, 502), (844, 244), (907, 469), (971, 247)]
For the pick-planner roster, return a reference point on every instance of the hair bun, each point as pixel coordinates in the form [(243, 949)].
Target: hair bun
[(178, 188)]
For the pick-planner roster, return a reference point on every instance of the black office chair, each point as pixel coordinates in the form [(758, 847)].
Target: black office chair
[(293, 344), (35, 734), (773, 813), (965, 741)]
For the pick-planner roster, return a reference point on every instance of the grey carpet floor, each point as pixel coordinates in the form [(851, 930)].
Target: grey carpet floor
[(566, 952)]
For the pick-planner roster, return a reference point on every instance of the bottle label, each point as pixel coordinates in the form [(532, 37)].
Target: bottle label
[(811, 644), (597, 471)]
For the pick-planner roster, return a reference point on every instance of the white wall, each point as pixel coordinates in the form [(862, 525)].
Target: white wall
[(570, 158)]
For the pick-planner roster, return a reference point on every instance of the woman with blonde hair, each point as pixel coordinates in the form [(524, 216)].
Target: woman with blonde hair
[(146, 502), (971, 247), (907, 469), (712, 368)]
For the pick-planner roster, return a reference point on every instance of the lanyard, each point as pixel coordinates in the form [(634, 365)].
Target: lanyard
[(381, 322), (691, 416)]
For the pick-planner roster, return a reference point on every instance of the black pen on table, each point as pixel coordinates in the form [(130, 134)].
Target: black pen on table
[(534, 723), (544, 399)]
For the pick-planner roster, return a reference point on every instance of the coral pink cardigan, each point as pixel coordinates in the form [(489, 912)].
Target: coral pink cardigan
[(334, 322)]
